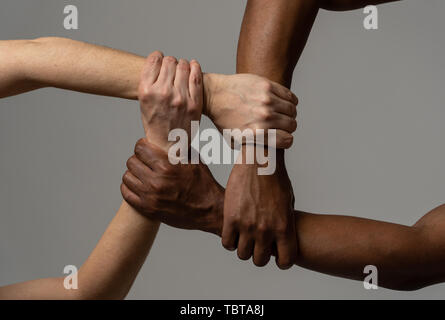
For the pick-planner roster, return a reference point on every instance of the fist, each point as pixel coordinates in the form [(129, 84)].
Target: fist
[(170, 96), (184, 196)]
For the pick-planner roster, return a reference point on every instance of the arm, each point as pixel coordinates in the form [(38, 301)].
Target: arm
[(407, 258), (274, 34), (28, 65), (109, 271), (260, 217), (170, 93), (67, 64), (272, 38)]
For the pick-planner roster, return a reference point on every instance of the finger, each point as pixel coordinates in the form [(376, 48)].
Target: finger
[(196, 82), (284, 107), (282, 122), (132, 182), (286, 253), (149, 154), (152, 67), (262, 253), (284, 139), (245, 246), (229, 238), (130, 197), (138, 168), (280, 140), (182, 77), (284, 93), (168, 70)]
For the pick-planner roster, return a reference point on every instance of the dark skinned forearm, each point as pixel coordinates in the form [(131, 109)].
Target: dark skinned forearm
[(273, 36), (407, 258)]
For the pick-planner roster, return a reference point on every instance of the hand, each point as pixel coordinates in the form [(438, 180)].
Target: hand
[(170, 95), (184, 196), (258, 215), (246, 101)]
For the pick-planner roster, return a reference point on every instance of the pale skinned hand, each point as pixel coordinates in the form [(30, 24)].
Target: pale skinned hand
[(170, 95), (247, 101)]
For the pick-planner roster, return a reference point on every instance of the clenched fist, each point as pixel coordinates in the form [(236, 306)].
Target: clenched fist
[(247, 101), (184, 196), (171, 96)]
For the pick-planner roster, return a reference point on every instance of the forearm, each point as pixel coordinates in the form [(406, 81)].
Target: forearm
[(112, 267), (68, 64), (109, 271), (406, 257), (273, 36), (73, 65)]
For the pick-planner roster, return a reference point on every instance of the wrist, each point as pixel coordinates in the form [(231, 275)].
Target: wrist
[(211, 88), (215, 220)]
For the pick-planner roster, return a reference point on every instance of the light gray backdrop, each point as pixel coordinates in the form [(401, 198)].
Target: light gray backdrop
[(370, 141)]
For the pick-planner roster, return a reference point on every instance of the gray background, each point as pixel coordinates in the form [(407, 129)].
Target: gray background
[(370, 141)]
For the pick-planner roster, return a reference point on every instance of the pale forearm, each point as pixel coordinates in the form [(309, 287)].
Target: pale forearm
[(112, 267), (109, 271), (68, 64), (73, 65)]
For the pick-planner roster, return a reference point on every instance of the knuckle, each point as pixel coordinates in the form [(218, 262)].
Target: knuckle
[(164, 94), (183, 65), (170, 59), (293, 110), (157, 187), (145, 92), (263, 229), (249, 225), (192, 110), (130, 162), (266, 114), (178, 102), (266, 85), (166, 168), (234, 219), (281, 230), (129, 196), (126, 177), (139, 147), (266, 99), (124, 191), (293, 125), (288, 141), (290, 95), (196, 79), (155, 57)]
